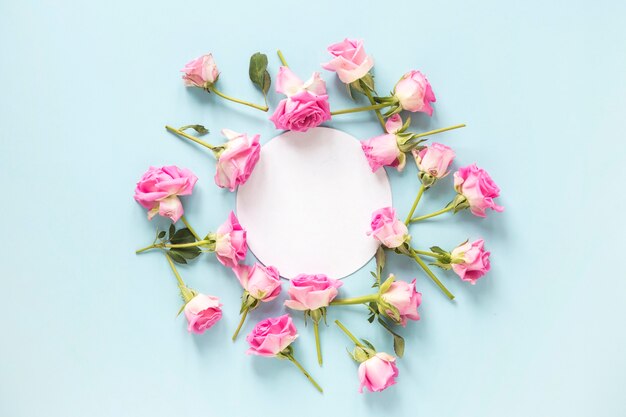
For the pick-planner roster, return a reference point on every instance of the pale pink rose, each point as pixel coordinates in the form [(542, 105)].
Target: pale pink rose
[(271, 336), (434, 160), (403, 296), (159, 188), (378, 372), (350, 61), (387, 229), (202, 312), (310, 292), (236, 163), (200, 72), (230, 242), (475, 261), (415, 93), (478, 188), (261, 282), (383, 150)]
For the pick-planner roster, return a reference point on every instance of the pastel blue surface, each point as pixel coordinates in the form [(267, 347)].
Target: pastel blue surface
[(89, 328)]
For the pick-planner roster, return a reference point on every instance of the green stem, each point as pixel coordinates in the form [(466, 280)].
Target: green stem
[(309, 377), (347, 332), (355, 300), (282, 58), (236, 100), (417, 200), (243, 318), (359, 109), (428, 216), (181, 283), (145, 249), (431, 275), (426, 253), (193, 232), (187, 245), (190, 137), (368, 93), (443, 129), (316, 331)]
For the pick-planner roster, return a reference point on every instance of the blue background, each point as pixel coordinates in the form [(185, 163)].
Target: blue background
[(88, 328)]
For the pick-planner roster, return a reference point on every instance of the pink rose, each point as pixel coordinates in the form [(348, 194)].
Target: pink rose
[(200, 72), (434, 160), (387, 229), (271, 336), (159, 188), (415, 93), (202, 312), (262, 283), (383, 150), (306, 105), (310, 292), (478, 188), (236, 162), (230, 242), (378, 372), (475, 261), (404, 298), (350, 61)]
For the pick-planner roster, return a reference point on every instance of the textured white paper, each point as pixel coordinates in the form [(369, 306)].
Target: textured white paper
[(307, 205)]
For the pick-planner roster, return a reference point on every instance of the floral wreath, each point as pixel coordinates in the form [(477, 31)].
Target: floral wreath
[(305, 106)]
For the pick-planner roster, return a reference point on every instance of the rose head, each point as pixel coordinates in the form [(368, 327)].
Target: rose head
[(378, 372), (475, 260), (478, 188), (200, 72), (434, 160), (387, 229), (310, 292), (230, 242), (202, 312), (350, 61), (414, 93), (402, 296), (159, 188), (236, 162), (383, 150), (262, 283), (271, 336)]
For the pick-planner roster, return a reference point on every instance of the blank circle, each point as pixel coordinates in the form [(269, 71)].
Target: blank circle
[(308, 204)]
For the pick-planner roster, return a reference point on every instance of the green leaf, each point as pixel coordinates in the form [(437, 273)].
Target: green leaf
[(182, 236), (161, 234), (188, 253), (198, 128), (267, 82), (371, 318), (438, 250), (374, 274), (368, 344), (172, 230), (258, 72), (398, 345), (177, 257)]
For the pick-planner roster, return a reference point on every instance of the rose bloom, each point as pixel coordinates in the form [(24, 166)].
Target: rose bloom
[(306, 105), (383, 150), (350, 61), (236, 163), (262, 283), (159, 188), (387, 229), (403, 296), (415, 93), (475, 261), (478, 188), (271, 336), (200, 72), (310, 292), (230, 242), (378, 372), (202, 312), (434, 160)]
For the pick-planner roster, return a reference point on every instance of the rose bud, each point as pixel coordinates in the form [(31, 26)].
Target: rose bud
[(200, 72), (400, 301), (230, 242), (383, 150), (272, 336), (311, 292), (159, 188), (387, 229), (350, 61), (414, 93), (433, 162), (470, 261), (378, 372), (236, 162), (202, 312), (477, 190)]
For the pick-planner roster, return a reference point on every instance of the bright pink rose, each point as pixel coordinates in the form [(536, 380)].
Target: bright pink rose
[(159, 188), (378, 372), (201, 72), (415, 93), (306, 105), (434, 160), (262, 283), (236, 163), (202, 312), (350, 61), (383, 150), (475, 261), (230, 242), (271, 336), (478, 188), (310, 292), (403, 296), (387, 229)]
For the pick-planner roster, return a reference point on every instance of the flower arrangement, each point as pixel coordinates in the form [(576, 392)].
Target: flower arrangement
[(394, 302)]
